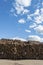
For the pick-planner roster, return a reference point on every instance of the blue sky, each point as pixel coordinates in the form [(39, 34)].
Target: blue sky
[(21, 19)]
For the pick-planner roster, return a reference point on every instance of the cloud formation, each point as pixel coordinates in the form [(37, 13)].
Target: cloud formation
[(35, 17), (39, 29), (22, 21), (19, 6), (37, 21), (35, 38), (28, 31), (33, 25), (18, 38), (24, 3), (39, 16)]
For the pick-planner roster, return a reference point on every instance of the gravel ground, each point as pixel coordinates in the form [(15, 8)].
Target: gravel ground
[(21, 62)]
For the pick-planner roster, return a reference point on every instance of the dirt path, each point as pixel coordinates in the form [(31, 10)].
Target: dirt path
[(21, 62)]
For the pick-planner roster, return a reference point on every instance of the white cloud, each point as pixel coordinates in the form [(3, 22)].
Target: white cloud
[(39, 29), (18, 38), (29, 17), (35, 38), (24, 3), (12, 11), (41, 11), (38, 19), (38, 16), (19, 6), (19, 9), (33, 25), (25, 11), (36, 12), (41, 39), (22, 21), (27, 31)]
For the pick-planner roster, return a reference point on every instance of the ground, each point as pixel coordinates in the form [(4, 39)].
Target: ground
[(21, 62)]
